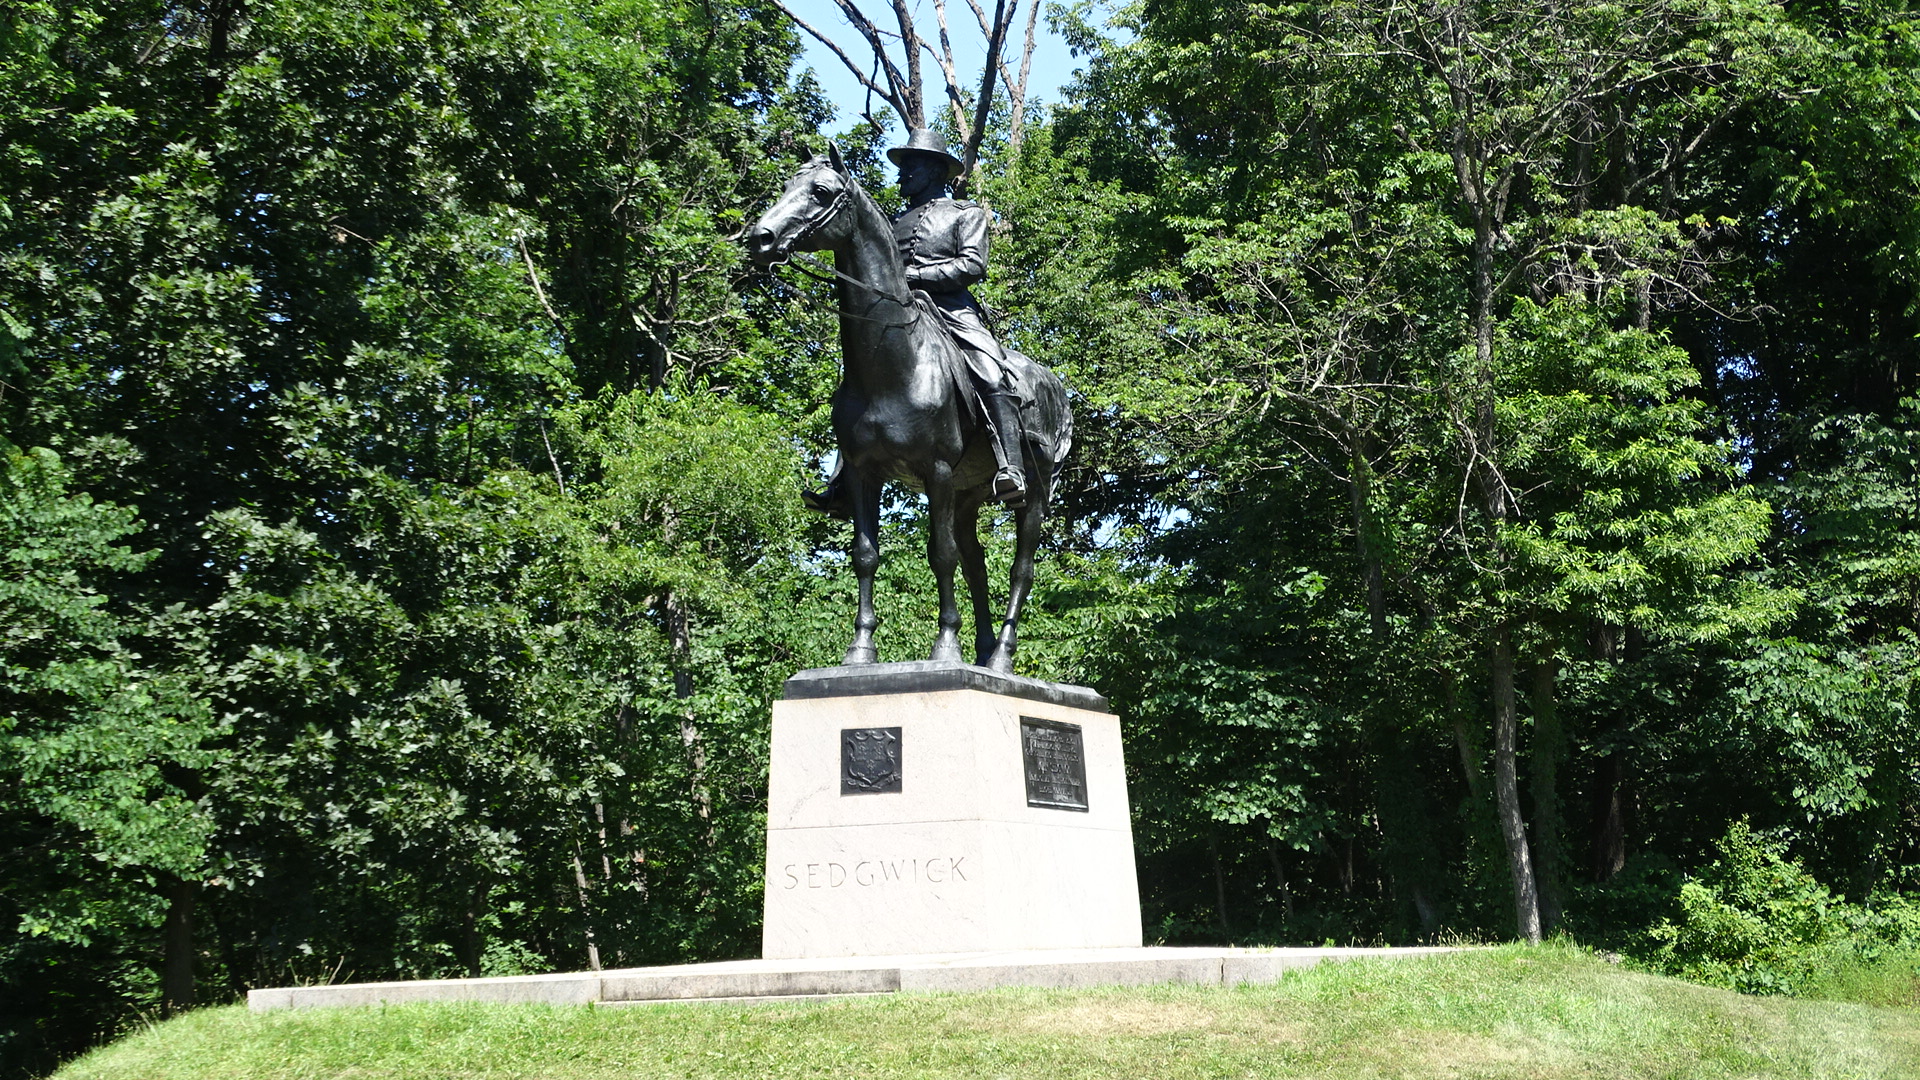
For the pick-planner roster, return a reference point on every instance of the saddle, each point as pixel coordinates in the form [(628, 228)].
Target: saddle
[(1017, 367)]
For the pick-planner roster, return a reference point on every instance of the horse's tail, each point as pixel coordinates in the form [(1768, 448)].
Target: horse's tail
[(1044, 412)]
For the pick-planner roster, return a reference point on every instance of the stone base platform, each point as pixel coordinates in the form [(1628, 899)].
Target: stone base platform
[(944, 808), (776, 980)]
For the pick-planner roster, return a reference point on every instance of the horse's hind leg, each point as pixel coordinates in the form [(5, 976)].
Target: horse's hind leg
[(973, 564), (864, 494), (943, 553), (1028, 520)]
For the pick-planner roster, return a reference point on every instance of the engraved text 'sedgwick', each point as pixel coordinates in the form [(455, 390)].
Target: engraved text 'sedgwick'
[(926, 396), (873, 873)]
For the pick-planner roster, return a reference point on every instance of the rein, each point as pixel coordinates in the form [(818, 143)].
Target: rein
[(795, 258)]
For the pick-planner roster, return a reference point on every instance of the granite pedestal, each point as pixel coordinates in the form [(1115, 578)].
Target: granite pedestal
[(944, 808)]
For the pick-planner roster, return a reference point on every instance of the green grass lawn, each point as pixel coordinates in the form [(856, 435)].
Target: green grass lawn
[(1552, 1011)]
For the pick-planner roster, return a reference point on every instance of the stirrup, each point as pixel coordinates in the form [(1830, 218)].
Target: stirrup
[(1010, 487)]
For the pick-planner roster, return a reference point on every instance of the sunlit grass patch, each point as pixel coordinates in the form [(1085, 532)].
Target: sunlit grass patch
[(1550, 1012)]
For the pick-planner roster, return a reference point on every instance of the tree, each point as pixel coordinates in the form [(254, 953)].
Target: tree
[(895, 73), (1409, 235), (313, 286), (106, 833)]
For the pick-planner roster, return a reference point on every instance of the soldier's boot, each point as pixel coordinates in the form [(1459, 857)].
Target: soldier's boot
[(1009, 479), (831, 501)]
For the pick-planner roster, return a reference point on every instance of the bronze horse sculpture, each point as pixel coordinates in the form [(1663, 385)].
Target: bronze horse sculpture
[(904, 411)]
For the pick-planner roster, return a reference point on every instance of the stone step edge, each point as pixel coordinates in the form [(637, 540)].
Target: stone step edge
[(778, 999), (841, 976)]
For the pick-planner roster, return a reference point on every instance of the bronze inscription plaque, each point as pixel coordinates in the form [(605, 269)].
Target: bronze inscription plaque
[(1056, 764), (869, 760)]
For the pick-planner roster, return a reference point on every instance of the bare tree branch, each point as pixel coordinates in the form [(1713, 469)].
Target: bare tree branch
[(899, 76), (1001, 18), (540, 293), (1016, 127), (910, 44), (955, 99), (891, 97), (1016, 88)]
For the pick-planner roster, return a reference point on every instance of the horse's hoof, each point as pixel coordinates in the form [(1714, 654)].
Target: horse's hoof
[(947, 654), (1001, 661), (861, 655)]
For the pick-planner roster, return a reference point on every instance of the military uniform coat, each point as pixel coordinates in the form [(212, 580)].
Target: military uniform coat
[(943, 244)]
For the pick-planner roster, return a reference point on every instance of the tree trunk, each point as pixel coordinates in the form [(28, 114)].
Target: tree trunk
[(1464, 742), (1506, 787), (1607, 833), (586, 909), (222, 18), (1548, 747), (1409, 844), (657, 327), (983, 105), (176, 970), (911, 45), (1219, 882), (1366, 542), (1344, 867), (1280, 879), (230, 963), (680, 639), (680, 643), (473, 941)]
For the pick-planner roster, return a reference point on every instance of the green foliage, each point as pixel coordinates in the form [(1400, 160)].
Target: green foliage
[(1858, 517), (1640, 534), (336, 293), (93, 746), (101, 756), (1311, 356), (1827, 717), (1754, 921)]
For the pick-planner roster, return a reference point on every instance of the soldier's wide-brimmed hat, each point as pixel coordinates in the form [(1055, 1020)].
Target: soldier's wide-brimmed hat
[(929, 142)]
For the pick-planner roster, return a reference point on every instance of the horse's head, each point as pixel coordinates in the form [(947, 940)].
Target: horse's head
[(809, 213)]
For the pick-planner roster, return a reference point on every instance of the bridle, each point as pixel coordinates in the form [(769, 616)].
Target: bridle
[(820, 271), (820, 220)]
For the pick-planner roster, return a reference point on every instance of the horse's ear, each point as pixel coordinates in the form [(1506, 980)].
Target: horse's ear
[(833, 155)]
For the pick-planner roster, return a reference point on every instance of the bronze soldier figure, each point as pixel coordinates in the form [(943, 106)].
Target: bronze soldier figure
[(903, 409), (943, 243)]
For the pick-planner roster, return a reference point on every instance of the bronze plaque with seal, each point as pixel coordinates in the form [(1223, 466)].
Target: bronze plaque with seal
[(1056, 764), (869, 760)]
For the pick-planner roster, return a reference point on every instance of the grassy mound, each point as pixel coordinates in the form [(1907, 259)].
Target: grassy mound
[(1509, 1012)]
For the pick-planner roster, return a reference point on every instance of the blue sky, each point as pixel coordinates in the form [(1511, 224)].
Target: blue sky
[(1053, 66)]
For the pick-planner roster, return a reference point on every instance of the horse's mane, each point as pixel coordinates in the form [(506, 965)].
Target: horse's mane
[(916, 302)]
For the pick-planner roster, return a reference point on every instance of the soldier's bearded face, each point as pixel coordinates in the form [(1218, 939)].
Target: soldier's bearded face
[(920, 173)]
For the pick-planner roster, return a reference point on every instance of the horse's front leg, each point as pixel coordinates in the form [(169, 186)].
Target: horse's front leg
[(943, 554), (864, 494), (1028, 520)]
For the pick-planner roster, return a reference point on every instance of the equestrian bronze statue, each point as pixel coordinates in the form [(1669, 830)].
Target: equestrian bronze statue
[(927, 397)]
